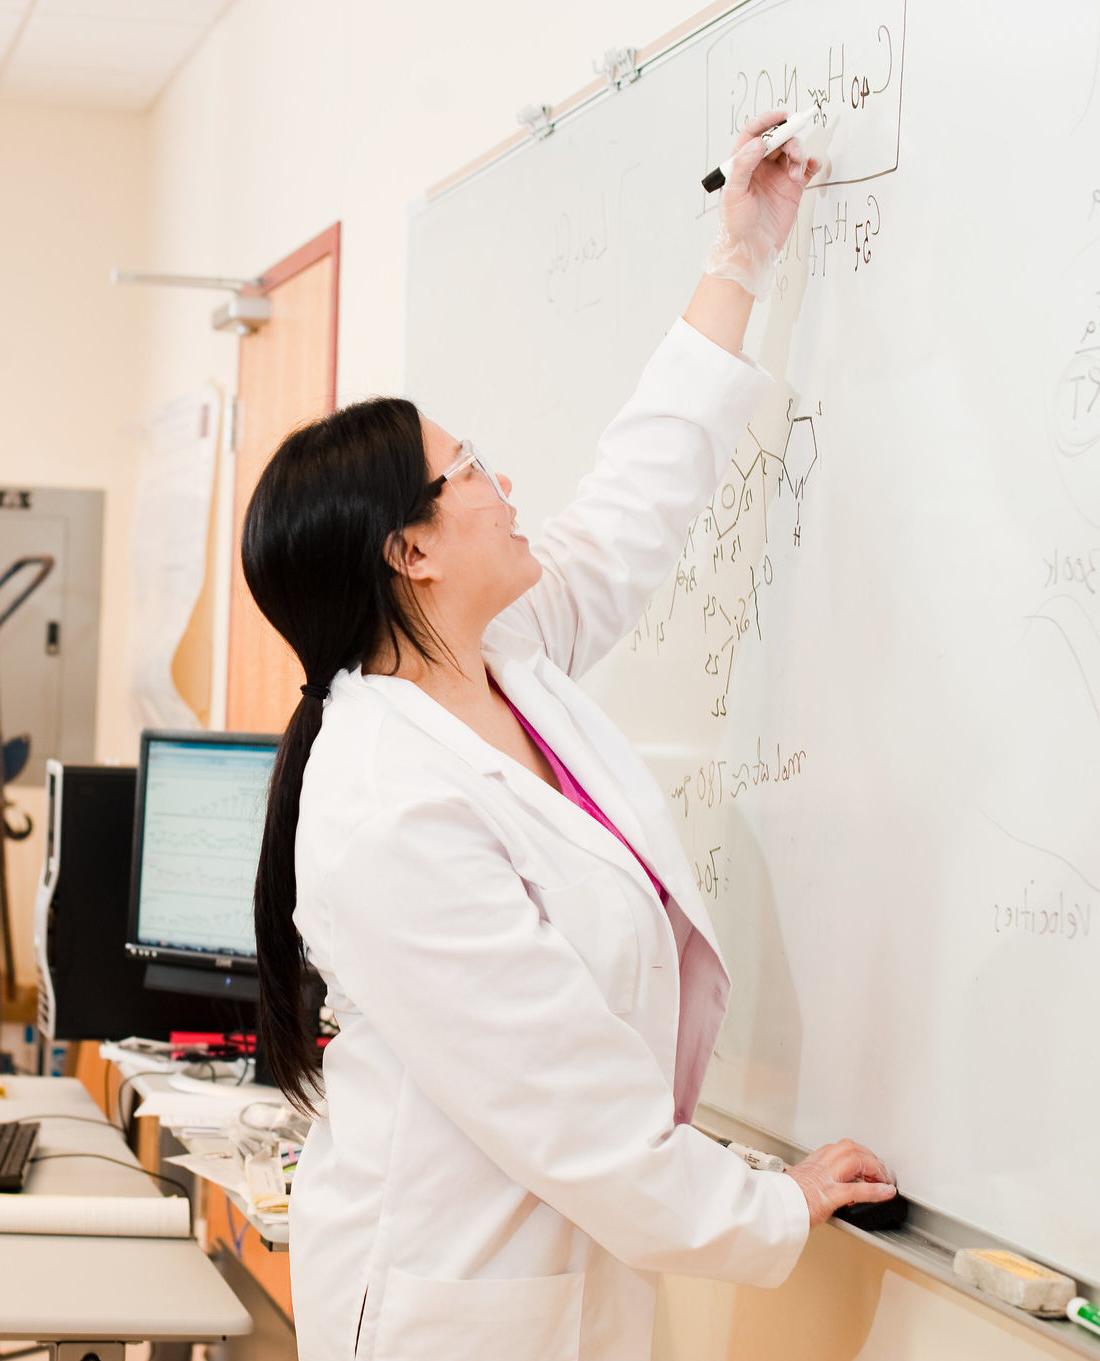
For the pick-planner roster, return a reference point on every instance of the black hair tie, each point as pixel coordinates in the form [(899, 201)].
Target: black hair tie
[(312, 691)]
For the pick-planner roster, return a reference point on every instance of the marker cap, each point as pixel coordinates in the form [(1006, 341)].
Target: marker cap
[(1084, 1312)]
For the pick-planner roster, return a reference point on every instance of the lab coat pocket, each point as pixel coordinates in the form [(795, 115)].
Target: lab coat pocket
[(594, 915), (534, 1318)]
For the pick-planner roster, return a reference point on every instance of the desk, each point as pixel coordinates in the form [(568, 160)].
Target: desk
[(229, 1231), (101, 1290), (274, 1237)]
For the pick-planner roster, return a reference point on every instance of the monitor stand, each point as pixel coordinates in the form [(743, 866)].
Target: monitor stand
[(233, 987)]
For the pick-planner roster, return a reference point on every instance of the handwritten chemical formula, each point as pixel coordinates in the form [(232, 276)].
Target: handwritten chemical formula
[(751, 528), (844, 61), (845, 240)]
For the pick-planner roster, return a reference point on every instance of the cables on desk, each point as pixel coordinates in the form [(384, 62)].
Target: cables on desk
[(132, 1167), (126, 1126), (59, 1115), (118, 1162), (103, 1157)]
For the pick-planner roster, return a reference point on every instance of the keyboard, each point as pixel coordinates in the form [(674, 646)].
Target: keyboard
[(17, 1144)]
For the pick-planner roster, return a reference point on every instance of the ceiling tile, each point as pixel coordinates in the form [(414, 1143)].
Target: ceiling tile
[(137, 44), (57, 42), (81, 89), (194, 13)]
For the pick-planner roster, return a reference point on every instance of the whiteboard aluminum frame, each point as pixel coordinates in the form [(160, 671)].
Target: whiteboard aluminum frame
[(583, 99), (927, 1241)]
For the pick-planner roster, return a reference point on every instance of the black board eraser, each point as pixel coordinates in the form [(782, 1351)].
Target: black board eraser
[(875, 1214)]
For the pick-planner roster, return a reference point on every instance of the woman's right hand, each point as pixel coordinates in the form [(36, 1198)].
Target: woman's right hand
[(758, 205), (841, 1174)]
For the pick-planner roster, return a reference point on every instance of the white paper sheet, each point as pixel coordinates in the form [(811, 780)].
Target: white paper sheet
[(97, 1216), (168, 548), (179, 1110), (223, 1169)]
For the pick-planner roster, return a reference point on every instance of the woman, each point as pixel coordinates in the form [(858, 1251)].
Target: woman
[(488, 879)]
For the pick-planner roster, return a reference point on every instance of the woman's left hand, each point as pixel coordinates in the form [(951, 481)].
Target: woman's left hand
[(758, 205)]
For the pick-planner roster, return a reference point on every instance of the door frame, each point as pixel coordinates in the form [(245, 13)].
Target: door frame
[(324, 243)]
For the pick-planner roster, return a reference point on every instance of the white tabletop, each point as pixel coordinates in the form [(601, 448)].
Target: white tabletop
[(85, 1288)]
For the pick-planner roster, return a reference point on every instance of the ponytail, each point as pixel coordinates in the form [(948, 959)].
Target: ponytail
[(285, 1034), (313, 551)]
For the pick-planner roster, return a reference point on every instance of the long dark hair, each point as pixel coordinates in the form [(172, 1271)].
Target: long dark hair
[(313, 550)]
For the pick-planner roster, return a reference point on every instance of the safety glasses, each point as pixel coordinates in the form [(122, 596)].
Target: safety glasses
[(466, 474)]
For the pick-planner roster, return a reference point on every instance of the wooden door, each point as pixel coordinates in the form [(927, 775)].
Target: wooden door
[(287, 376)]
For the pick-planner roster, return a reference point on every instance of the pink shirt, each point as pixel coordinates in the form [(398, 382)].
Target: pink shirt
[(575, 793), (690, 1067)]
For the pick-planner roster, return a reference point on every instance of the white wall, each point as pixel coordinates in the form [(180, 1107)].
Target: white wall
[(287, 118), (72, 377), (72, 373)]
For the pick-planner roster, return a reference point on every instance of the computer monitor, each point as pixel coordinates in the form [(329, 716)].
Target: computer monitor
[(88, 987), (199, 815)]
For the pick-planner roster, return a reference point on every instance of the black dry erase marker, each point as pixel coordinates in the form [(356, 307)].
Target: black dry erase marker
[(773, 138)]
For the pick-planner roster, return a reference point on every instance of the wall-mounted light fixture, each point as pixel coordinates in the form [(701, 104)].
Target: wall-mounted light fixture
[(242, 315)]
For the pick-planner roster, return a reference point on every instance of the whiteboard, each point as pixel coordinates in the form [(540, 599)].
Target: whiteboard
[(871, 687)]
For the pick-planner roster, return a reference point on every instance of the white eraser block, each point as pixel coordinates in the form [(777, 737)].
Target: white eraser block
[(1015, 1280)]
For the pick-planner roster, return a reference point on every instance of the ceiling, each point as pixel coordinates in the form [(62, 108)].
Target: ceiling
[(98, 54)]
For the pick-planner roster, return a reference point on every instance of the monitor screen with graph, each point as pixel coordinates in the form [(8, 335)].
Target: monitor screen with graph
[(198, 822)]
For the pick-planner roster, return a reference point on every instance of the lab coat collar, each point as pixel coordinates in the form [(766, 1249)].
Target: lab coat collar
[(532, 684), (516, 676)]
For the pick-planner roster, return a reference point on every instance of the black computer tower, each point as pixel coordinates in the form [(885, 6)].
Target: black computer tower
[(89, 988)]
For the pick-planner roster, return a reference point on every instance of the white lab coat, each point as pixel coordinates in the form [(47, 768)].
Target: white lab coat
[(501, 1174)]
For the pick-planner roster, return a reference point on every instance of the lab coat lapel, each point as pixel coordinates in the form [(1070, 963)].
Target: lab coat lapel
[(653, 837), (520, 680), (516, 679)]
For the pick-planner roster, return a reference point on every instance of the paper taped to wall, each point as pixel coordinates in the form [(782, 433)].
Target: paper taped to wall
[(168, 548)]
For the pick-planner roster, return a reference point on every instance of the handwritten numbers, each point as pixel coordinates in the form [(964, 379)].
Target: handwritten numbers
[(860, 92), (706, 874), (866, 229)]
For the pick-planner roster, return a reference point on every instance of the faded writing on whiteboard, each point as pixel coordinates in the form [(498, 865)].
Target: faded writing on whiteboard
[(1049, 920), (1069, 569)]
